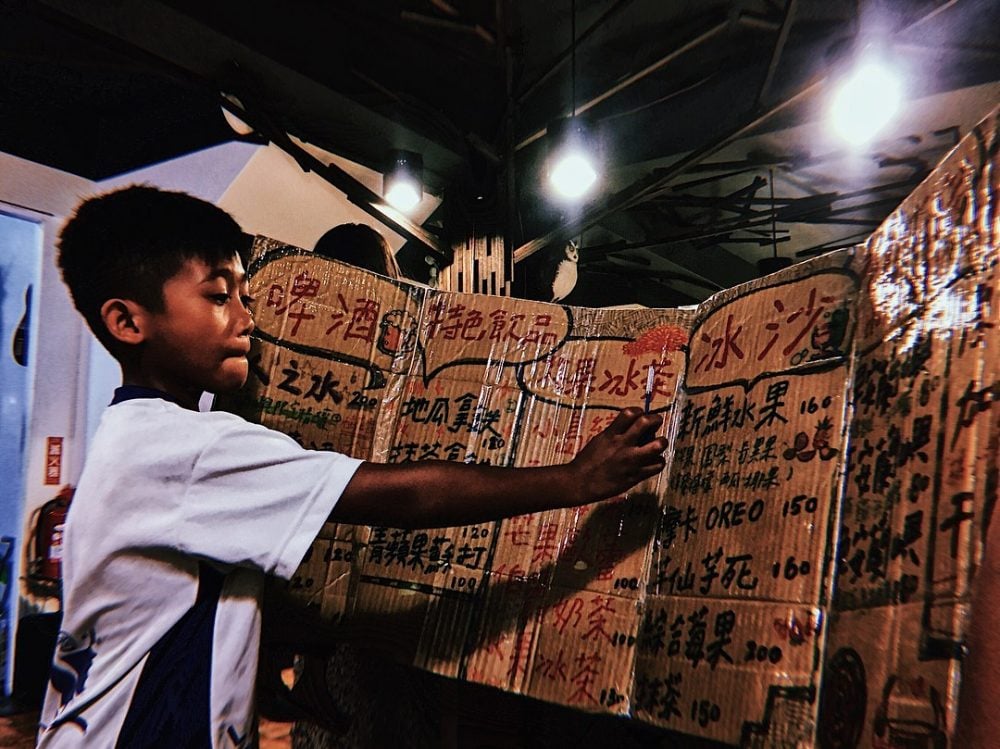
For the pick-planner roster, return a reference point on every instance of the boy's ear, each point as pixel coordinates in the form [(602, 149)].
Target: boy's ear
[(127, 321)]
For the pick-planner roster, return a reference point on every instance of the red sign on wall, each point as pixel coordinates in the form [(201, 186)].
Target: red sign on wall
[(53, 460)]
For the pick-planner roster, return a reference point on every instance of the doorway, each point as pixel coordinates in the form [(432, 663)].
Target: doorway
[(20, 273)]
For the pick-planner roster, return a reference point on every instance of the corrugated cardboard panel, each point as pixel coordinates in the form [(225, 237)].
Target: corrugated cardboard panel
[(887, 526), (608, 545), (923, 469), (455, 420), (797, 320), (328, 340), (759, 440), (969, 459), (909, 519), (494, 333), (858, 662), (697, 602), (448, 625), (500, 646), (441, 560), (933, 238), (389, 619), (741, 672), (878, 690), (584, 651), (610, 372), (323, 579), (957, 538), (749, 502)]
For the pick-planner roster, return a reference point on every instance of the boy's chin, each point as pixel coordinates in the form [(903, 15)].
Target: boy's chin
[(232, 378), (227, 388), (231, 385)]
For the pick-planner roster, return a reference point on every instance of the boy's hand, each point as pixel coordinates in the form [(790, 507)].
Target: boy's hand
[(436, 493), (621, 456)]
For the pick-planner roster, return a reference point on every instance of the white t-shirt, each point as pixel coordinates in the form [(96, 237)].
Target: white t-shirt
[(176, 518)]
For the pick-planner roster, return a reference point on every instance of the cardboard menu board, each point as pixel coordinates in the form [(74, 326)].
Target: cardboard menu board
[(798, 576), (922, 475), (734, 623), (349, 361)]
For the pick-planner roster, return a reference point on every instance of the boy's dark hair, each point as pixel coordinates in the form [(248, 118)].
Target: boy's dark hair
[(361, 246), (128, 243)]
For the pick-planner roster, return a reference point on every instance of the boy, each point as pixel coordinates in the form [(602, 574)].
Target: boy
[(179, 514)]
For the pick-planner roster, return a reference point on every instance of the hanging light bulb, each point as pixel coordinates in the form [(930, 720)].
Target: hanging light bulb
[(403, 181), (572, 170), (403, 195), (572, 164), (866, 100), (573, 176)]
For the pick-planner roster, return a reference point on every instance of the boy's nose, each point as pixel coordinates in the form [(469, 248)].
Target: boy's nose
[(247, 325)]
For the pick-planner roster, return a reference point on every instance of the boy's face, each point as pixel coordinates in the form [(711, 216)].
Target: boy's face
[(200, 341)]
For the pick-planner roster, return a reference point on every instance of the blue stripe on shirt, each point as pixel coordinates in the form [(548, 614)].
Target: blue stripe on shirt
[(170, 706)]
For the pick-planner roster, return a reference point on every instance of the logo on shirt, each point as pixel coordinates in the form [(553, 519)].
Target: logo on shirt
[(71, 666), (238, 741)]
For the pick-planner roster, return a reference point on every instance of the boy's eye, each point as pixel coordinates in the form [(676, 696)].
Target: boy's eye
[(247, 300), (219, 299)]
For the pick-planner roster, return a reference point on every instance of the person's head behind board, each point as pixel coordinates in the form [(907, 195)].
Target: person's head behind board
[(128, 243), (361, 246)]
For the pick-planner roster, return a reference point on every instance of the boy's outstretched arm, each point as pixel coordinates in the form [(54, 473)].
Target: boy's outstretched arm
[(434, 494)]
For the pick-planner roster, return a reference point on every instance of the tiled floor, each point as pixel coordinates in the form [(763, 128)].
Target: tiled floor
[(18, 732)]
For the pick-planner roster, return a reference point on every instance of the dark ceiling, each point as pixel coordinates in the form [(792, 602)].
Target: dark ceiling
[(708, 112)]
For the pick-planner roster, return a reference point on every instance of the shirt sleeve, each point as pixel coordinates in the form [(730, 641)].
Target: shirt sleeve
[(257, 498)]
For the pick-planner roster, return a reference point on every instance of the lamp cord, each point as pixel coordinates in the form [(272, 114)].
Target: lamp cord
[(774, 226), (572, 48)]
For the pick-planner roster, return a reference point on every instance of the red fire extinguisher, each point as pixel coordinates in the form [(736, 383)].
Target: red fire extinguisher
[(46, 547)]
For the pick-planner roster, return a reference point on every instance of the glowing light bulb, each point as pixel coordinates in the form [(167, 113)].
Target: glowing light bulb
[(403, 195), (865, 102), (403, 180), (573, 175)]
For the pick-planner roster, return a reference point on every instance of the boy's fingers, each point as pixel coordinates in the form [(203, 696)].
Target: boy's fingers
[(657, 446), (643, 427), (651, 454), (653, 469), (625, 419), (656, 460)]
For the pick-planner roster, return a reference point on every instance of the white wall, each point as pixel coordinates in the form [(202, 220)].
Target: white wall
[(57, 344), (274, 197), (57, 352), (206, 174)]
